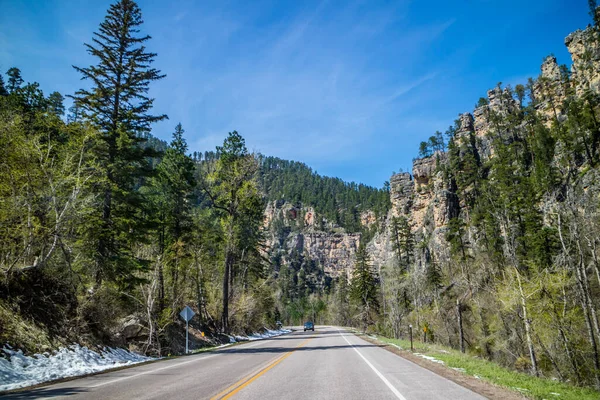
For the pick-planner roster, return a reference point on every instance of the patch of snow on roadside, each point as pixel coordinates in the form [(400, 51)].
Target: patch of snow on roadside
[(258, 336), (433, 359), (395, 345), (19, 370), (459, 369)]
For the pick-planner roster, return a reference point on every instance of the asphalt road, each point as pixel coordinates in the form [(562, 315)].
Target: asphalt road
[(327, 364)]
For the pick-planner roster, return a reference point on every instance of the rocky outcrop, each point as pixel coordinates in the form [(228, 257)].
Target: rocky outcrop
[(401, 193), (550, 91), (426, 197), (303, 231), (368, 218), (294, 215), (334, 252), (585, 53)]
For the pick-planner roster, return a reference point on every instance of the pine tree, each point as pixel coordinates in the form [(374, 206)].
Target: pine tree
[(424, 150), (233, 192), (364, 288), (403, 242), (170, 192), (593, 7), (520, 92), (74, 113), (119, 106), (15, 81), (3, 91), (55, 104)]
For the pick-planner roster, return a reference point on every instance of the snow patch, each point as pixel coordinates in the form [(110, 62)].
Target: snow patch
[(268, 333), (19, 370), (433, 359)]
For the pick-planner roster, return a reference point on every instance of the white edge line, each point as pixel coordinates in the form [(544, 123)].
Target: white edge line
[(169, 366), (379, 374)]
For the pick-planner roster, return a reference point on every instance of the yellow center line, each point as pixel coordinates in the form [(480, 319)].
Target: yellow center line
[(244, 382)]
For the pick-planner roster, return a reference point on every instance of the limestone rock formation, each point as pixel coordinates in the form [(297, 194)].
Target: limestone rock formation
[(401, 193), (426, 197), (331, 248), (585, 53), (334, 252)]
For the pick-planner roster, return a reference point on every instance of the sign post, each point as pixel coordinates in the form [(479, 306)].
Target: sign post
[(187, 313)]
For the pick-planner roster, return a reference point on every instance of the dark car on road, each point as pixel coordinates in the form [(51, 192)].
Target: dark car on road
[(309, 326)]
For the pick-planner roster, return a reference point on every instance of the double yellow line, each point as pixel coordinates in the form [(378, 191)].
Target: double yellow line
[(244, 382)]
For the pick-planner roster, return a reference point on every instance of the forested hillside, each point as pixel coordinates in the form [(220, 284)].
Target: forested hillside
[(338, 201), (106, 232)]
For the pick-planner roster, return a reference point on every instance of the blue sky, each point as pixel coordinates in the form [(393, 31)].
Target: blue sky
[(350, 88)]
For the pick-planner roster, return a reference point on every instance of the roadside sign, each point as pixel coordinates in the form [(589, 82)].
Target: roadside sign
[(187, 313)]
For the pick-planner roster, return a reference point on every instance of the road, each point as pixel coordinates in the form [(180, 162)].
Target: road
[(328, 364)]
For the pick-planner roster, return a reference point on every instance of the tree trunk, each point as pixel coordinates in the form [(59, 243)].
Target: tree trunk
[(199, 290), (485, 330), (569, 352), (161, 277), (528, 328), (552, 359), (587, 291), (461, 334), (592, 244), (226, 274), (161, 285)]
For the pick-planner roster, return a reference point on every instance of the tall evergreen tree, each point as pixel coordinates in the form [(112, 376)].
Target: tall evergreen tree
[(118, 104), (55, 104), (364, 288), (403, 242), (233, 192), (3, 91), (171, 191), (15, 81)]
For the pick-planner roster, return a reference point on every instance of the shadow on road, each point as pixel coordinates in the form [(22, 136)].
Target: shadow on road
[(256, 350), (42, 393), (298, 334)]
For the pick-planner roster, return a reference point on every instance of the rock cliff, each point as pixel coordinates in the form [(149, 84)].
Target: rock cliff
[(425, 197), (298, 228), (429, 200)]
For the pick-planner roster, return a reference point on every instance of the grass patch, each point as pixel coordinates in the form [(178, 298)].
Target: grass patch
[(529, 386), (21, 333)]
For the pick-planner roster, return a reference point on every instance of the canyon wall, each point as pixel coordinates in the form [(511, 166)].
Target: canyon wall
[(425, 197)]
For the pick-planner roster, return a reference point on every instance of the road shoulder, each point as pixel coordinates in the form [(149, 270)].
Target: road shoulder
[(478, 386), (142, 364)]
